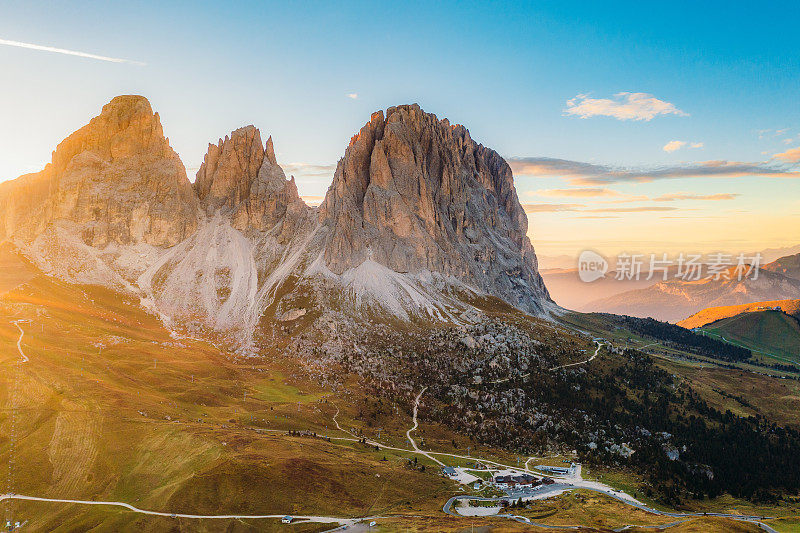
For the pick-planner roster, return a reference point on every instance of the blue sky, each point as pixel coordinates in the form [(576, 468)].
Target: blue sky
[(729, 70)]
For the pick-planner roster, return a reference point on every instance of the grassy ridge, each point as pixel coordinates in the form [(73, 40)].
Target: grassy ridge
[(768, 332), (712, 314)]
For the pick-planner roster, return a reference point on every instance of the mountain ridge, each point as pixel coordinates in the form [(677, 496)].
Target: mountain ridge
[(417, 218), (675, 299)]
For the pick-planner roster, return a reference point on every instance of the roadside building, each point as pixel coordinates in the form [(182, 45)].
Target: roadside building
[(449, 471)]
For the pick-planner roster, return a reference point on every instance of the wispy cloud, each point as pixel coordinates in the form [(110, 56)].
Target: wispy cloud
[(309, 169), (619, 197), (550, 208), (581, 173), (672, 146), (312, 201), (64, 51), (691, 196), (581, 208), (643, 209), (623, 106), (593, 192), (771, 133), (352, 96)]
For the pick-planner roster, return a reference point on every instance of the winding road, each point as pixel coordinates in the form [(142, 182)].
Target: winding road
[(408, 433), (597, 351), (19, 341), (562, 484), (319, 519), (558, 488)]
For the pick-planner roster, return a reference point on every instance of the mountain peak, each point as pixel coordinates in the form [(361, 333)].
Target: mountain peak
[(128, 104), (416, 195), (241, 177), (117, 179), (229, 168), (125, 127), (419, 219)]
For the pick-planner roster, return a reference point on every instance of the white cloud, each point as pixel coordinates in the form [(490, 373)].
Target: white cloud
[(624, 106), (674, 145), (677, 145), (671, 197), (352, 96), (790, 156), (64, 51)]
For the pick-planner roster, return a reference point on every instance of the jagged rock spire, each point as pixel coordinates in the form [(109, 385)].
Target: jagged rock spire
[(417, 194), (241, 178)]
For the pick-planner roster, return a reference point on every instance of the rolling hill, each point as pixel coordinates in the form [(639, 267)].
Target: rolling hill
[(768, 332), (711, 314)]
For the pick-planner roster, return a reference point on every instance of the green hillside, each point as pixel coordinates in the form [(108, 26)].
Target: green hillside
[(769, 332)]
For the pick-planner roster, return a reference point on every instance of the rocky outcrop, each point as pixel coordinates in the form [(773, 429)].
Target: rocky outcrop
[(116, 178), (22, 203), (119, 179), (417, 194), (419, 220), (241, 179), (229, 169)]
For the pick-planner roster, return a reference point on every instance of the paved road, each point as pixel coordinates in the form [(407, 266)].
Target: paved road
[(565, 484), (19, 341), (319, 519), (560, 487)]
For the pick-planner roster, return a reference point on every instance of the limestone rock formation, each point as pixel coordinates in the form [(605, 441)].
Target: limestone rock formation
[(22, 202), (418, 220), (116, 178), (241, 178), (416, 194), (229, 168)]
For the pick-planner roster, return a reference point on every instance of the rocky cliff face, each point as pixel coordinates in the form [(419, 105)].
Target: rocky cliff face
[(118, 178), (417, 194), (241, 178), (419, 219), (22, 203)]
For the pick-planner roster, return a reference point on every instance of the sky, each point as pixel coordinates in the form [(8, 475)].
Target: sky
[(672, 127)]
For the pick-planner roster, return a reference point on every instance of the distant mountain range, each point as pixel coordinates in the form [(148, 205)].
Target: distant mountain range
[(788, 266), (676, 299), (567, 289)]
